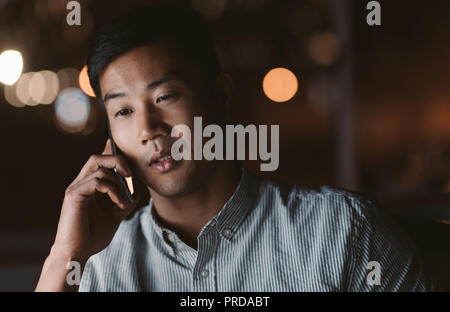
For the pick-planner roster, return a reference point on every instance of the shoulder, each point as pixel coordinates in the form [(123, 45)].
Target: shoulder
[(325, 202), (347, 218)]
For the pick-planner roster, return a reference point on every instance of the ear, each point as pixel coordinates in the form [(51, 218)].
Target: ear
[(225, 86)]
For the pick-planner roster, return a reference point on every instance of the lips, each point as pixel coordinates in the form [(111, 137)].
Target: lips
[(162, 161), (158, 155)]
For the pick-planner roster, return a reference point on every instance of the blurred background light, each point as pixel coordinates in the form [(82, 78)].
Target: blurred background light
[(323, 48), (36, 87), (280, 84), (83, 80), (51, 86), (22, 89), (11, 97), (11, 66), (72, 108)]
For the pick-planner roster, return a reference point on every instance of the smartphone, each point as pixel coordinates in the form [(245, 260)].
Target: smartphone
[(127, 183)]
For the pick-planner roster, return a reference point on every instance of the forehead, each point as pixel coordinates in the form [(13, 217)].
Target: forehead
[(141, 65)]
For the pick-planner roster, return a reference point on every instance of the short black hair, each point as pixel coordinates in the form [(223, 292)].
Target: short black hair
[(149, 24)]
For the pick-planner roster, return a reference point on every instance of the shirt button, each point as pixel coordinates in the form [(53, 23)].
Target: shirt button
[(227, 232), (171, 237), (204, 273)]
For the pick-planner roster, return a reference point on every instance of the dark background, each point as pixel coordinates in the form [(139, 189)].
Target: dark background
[(373, 117)]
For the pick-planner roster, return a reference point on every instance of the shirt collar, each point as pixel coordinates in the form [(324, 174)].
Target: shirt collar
[(239, 205), (230, 216)]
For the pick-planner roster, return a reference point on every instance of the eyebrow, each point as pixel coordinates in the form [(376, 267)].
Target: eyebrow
[(164, 79)]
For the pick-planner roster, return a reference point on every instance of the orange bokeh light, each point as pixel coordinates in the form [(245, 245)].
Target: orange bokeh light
[(280, 84), (85, 85)]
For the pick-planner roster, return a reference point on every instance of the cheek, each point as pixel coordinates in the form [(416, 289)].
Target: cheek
[(122, 134)]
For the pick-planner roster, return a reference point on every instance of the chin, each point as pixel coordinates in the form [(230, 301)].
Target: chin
[(183, 179)]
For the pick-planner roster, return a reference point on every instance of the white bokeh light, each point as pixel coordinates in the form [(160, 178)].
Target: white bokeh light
[(11, 66), (72, 108)]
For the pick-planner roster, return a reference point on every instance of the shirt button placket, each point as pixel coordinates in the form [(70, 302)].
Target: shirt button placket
[(204, 268)]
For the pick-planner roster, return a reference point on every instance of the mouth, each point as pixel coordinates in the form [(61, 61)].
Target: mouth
[(162, 161)]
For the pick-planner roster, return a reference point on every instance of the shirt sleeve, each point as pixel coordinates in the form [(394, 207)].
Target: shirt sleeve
[(383, 257)]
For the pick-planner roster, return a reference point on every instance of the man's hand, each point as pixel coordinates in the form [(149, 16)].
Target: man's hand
[(93, 207)]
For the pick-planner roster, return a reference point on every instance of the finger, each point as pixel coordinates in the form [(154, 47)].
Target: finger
[(107, 150), (106, 174), (130, 207), (121, 214), (96, 162), (95, 185)]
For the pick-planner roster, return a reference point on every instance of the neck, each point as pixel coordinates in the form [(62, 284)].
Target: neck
[(187, 215)]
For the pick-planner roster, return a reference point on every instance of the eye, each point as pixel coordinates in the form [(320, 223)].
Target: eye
[(123, 112), (164, 97)]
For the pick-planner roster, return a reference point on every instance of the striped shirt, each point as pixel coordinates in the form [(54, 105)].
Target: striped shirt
[(268, 237)]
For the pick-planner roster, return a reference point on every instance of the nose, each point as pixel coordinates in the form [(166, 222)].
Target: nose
[(150, 126)]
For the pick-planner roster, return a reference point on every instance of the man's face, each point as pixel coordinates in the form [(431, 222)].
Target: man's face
[(148, 91)]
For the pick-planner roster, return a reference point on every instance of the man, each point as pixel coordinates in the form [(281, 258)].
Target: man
[(209, 225)]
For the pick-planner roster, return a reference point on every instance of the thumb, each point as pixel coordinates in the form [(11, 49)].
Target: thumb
[(107, 150)]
